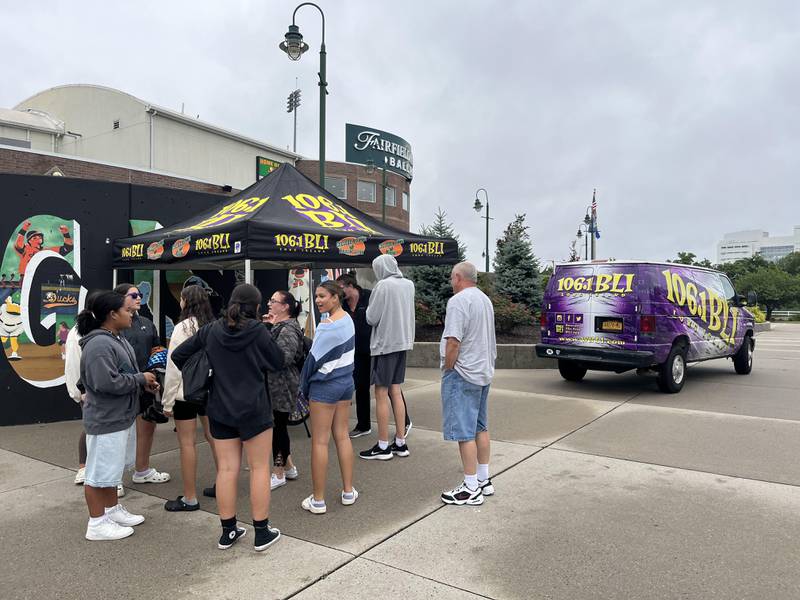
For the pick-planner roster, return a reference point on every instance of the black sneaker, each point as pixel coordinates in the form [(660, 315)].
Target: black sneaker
[(486, 487), (463, 495), (375, 453), (399, 450), (179, 505), (210, 492), (265, 537), (357, 433), (230, 535)]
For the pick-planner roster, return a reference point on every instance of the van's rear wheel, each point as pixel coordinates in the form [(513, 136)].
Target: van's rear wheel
[(571, 371), (672, 374), (743, 359)]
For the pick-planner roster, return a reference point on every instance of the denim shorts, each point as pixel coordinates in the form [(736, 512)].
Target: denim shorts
[(331, 392), (108, 455), (464, 404)]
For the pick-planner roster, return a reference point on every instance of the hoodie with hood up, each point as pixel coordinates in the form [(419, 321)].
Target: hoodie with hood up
[(112, 381), (239, 359), (391, 309)]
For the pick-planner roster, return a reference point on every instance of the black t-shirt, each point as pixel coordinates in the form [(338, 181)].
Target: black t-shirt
[(359, 316), (143, 336)]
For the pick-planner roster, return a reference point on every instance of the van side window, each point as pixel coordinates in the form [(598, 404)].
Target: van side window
[(728, 291)]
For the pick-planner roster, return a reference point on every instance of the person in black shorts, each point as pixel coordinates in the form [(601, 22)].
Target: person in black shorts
[(240, 350), (195, 313)]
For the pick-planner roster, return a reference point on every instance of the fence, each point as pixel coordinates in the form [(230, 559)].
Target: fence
[(786, 315)]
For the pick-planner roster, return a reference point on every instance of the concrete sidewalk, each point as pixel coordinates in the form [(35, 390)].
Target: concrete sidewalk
[(605, 489)]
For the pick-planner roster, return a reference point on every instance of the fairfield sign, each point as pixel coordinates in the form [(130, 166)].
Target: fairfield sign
[(365, 145)]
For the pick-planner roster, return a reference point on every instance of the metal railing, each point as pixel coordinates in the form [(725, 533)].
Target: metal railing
[(785, 315)]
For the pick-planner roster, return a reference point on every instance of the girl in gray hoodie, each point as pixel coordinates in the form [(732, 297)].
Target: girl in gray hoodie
[(112, 383)]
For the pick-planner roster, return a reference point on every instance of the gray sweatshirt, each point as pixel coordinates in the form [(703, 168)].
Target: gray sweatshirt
[(112, 381), (391, 309)]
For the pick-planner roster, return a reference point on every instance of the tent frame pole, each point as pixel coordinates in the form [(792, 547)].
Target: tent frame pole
[(114, 277), (248, 271)]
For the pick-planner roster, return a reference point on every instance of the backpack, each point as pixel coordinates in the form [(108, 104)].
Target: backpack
[(197, 376)]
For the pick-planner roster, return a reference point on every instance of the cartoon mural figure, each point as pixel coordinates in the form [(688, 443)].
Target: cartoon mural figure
[(29, 242), (11, 327)]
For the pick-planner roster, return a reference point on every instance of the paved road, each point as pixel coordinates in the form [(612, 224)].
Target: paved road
[(605, 489)]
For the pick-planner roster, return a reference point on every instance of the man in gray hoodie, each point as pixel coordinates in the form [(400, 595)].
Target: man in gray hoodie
[(391, 315)]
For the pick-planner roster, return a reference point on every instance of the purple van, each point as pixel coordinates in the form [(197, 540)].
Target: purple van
[(623, 315)]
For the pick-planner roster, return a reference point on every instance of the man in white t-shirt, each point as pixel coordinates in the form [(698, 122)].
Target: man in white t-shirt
[(468, 352)]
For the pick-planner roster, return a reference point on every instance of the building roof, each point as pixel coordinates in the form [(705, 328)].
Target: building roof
[(175, 116), (35, 120)]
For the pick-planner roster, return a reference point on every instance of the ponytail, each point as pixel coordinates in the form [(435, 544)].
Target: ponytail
[(102, 305), (243, 305), (86, 322), (295, 305)]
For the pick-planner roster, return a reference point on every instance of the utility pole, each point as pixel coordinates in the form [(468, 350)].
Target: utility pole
[(292, 103)]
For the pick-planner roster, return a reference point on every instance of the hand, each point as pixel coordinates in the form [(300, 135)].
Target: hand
[(150, 382), (168, 413), (26, 225), (268, 318), (63, 229)]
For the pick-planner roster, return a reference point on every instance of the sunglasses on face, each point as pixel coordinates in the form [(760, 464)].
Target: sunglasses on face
[(136, 295)]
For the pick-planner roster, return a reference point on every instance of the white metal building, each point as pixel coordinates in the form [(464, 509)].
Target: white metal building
[(744, 244), (100, 123)]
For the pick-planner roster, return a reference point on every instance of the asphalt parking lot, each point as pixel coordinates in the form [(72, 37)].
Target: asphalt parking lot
[(605, 489)]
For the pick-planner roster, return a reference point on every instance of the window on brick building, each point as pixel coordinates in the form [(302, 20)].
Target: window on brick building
[(337, 186), (405, 200), (391, 196), (365, 191)]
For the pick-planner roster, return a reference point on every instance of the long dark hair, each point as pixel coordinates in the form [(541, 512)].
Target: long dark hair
[(122, 288), (243, 305), (333, 289), (102, 305), (295, 305), (197, 305)]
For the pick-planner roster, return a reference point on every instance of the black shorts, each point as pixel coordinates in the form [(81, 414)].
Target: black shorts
[(389, 369), (244, 431), (146, 400), (186, 411)]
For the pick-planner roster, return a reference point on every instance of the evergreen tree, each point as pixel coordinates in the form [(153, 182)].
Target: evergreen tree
[(433, 282), (516, 267)]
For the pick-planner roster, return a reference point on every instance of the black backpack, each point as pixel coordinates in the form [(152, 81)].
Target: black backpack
[(197, 376)]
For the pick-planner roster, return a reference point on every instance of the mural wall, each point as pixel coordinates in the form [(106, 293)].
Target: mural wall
[(55, 240)]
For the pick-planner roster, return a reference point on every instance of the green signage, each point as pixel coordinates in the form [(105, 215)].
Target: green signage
[(265, 166), (366, 145)]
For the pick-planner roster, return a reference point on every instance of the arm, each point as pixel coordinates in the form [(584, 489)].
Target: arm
[(66, 248), (72, 365), (272, 352), (375, 308), (172, 376), (288, 342), (19, 245), (182, 353), (451, 353), (103, 374)]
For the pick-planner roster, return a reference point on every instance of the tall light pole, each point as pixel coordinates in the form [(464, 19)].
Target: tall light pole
[(371, 170), (294, 46), (292, 104), (583, 228), (478, 206)]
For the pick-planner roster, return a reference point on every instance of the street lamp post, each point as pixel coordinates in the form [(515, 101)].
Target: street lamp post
[(478, 206), (294, 46), (371, 170), (583, 232)]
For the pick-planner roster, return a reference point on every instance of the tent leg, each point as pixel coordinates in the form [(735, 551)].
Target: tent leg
[(155, 300), (248, 271), (114, 279)]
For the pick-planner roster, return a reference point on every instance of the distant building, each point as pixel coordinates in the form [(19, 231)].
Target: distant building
[(745, 244)]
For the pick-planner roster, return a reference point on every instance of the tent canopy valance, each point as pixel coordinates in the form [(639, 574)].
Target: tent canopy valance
[(282, 221)]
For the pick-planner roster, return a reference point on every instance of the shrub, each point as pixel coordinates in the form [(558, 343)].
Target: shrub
[(759, 315), (425, 317), (508, 314)]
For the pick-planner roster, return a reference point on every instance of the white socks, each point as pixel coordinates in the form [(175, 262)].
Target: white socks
[(383, 445), (471, 481), (94, 521), (483, 472), (400, 441)]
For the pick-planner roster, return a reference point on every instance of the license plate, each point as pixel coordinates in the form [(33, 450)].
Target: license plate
[(609, 325)]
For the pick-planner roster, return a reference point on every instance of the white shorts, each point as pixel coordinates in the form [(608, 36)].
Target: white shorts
[(108, 455)]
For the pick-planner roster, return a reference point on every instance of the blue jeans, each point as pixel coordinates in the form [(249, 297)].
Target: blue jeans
[(464, 407)]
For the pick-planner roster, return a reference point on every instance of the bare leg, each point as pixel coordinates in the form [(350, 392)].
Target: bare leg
[(186, 440), (469, 456), (258, 450), (382, 412), (399, 406), (229, 457), (344, 447), (321, 422), (483, 443), (144, 443), (82, 450), (98, 499), (209, 439)]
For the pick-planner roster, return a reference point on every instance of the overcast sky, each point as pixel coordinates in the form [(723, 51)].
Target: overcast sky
[(685, 115)]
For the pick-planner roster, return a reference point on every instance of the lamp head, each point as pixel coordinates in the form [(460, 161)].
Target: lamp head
[(478, 205), (587, 219), (293, 44), (580, 232)]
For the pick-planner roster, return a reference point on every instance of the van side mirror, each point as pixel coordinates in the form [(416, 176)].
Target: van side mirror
[(752, 298)]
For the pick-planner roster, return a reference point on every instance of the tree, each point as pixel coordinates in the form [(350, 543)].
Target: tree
[(573, 252), (775, 288), (743, 266), (705, 263), (433, 282), (790, 263), (685, 258), (516, 267)]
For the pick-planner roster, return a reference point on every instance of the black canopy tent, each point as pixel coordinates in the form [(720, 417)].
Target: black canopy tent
[(283, 221)]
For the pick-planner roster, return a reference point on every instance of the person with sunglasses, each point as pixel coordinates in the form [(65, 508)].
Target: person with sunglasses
[(283, 384), (143, 337)]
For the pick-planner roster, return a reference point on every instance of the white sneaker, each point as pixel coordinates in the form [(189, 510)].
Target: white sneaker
[(275, 482), (119, 515), (152, 476), (107, 530), (291, 473), (309, 505), (351, 500), (120, 491), (80, 476)]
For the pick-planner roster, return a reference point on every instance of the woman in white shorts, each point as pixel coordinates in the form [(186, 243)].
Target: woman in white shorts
[(112, 382)]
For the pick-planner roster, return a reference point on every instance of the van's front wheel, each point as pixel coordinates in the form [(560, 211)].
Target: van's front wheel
[(672, 374), (571, 371), (743, 359)]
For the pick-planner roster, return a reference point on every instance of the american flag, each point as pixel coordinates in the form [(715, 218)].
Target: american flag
[(594, 203)]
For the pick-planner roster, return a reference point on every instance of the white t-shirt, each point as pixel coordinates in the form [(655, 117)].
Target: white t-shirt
[(470, 320)]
